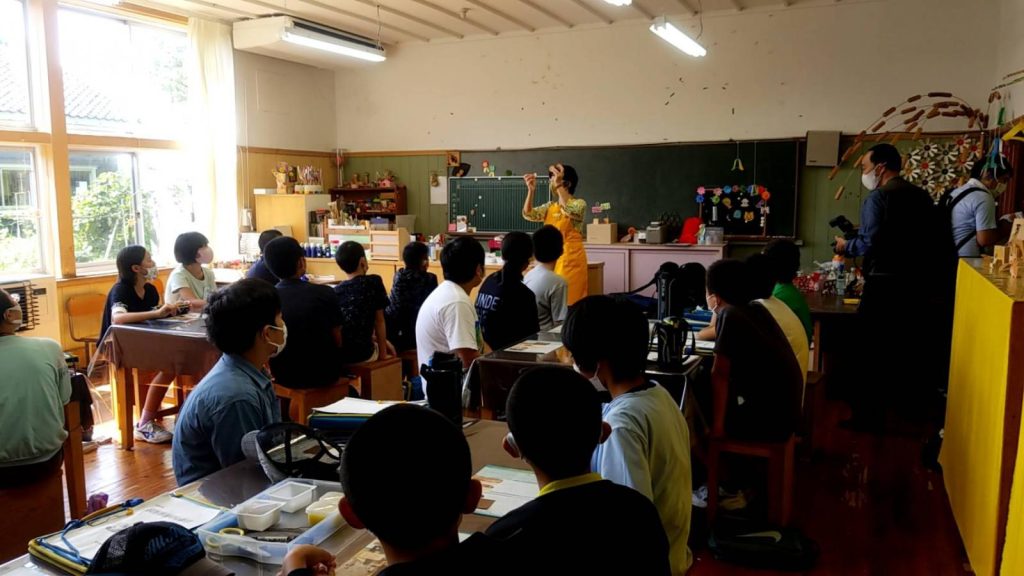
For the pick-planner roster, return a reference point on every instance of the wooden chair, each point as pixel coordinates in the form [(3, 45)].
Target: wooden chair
[(780, 456), (380, 379), (410, 363), (38, 508), (814, 410), (159, 285), (85, 318), (301, 401)]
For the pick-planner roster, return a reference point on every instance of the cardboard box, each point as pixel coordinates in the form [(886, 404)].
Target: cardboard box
[(603, 233)]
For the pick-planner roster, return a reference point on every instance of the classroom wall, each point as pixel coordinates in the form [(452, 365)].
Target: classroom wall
[(1011, 50), (414, 172), (769, 73), (283, 104)]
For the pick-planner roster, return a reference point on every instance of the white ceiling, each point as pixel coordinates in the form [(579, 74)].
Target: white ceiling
[(426, 20)]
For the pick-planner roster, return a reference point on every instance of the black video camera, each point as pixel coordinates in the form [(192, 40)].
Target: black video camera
[(845, 226)]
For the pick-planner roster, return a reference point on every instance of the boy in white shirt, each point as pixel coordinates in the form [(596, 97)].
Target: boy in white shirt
[(550, 289), (447, 321), (649, 445)]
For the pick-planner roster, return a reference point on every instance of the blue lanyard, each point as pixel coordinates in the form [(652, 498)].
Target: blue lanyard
[(71, 553)]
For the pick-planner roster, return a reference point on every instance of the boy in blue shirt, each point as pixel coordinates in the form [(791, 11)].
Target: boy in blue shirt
[(554, 418), (649, 445), (244, 322)]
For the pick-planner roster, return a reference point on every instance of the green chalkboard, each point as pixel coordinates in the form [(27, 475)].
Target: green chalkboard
[(644, 182), (493, 204)]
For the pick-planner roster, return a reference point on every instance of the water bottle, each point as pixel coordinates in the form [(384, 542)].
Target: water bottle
[(840, 278)]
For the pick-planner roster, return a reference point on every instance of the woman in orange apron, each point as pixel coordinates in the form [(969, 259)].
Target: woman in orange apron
[(566, 214)]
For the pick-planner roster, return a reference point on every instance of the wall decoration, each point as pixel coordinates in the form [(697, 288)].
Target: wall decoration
[(741, 210), (939, 166)]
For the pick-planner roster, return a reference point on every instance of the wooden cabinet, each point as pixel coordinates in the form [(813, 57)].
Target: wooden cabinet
[(388, 244), (272, 210), (396, 200), (630, 266)]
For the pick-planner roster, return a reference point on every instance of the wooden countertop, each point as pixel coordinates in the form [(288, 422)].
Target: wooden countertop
[(1012, 287), (634, 246)]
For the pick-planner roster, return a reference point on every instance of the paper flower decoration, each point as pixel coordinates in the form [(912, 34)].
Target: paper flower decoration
[(937, 166), (727, 190), (727, 202), (700, 191)]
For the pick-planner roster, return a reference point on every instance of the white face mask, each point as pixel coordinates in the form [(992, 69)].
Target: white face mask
[(712, 298), (284, 342), (151, 273), (594, 380), (10, 318), (205, 255), (998, 190), (869, 180)]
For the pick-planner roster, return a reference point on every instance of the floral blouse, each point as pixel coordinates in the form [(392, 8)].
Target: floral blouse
[(574, 209)]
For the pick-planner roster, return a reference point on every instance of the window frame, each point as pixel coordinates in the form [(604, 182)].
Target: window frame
[(30, 75), (44, 227)]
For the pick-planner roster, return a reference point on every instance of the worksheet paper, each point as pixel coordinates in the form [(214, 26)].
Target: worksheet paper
[(187, 513), (534, 347), (356, 406), (505, 489)]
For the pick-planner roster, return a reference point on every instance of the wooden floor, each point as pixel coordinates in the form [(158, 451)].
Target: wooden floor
[(867, 501)]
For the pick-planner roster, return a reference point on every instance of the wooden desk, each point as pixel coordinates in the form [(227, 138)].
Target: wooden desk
[(157, 345), (827, 314), (979, 455), (241, 481)]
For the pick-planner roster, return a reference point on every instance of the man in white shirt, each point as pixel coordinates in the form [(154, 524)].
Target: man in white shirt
[(648, 448), (551, 290), (974, 206), (447, 321)]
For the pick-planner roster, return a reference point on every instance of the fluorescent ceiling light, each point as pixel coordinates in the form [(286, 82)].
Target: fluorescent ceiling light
[(619, 2), (296, 36), (677, 38)]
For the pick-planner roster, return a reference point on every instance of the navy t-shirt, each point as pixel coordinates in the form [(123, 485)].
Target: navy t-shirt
[(311, 357), (408, 291), (260, 270), (507, 309), (123, 295), (765, 383), (359, 299)]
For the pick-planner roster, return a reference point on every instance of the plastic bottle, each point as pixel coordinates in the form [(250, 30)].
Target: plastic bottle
[(840, 264)]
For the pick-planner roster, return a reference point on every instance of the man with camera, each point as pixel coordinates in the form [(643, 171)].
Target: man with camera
[(906, 264)]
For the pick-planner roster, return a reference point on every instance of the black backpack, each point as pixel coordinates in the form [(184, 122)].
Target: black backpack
[(763, 546), (946, 204)]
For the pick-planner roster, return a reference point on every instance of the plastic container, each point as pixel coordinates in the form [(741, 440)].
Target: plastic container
[(258, 515), (294, 495), (244, 546), (317, 511)]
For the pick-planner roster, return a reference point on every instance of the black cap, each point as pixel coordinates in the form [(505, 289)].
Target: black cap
[(161, 548)]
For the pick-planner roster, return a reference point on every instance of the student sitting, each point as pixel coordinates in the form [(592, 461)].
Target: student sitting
[(417, 523), (785, 259), (311, 313), (35, 387), (649, 446), (362, 299), (762, 282), (755, 379), (244, 322), (191, 281), (550, 289), (447, 321), (133, 299), (409, 290), (507, 309), (259, 269), (554, 419)]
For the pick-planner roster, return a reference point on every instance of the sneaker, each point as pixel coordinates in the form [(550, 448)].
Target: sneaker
[(89, 446), (153, 433)]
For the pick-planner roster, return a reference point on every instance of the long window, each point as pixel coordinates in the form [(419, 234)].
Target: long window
[(21, 238), (122, 77), (15, 96), (123, 198)]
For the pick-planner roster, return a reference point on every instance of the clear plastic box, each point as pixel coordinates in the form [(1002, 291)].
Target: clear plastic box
[(293, 495), (218, 544)]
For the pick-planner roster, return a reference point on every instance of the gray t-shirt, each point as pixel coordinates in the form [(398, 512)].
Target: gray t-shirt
[(976, 212), (551, 291)]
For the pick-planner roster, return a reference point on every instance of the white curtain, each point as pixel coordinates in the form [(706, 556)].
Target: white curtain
[(212, 141)]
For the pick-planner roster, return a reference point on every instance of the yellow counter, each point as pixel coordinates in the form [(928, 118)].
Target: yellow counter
[(979, 452)]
